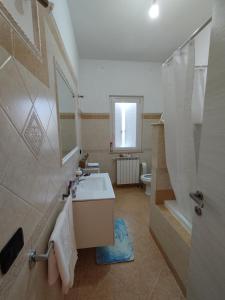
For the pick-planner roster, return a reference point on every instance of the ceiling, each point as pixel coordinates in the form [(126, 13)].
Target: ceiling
[(122, 29)]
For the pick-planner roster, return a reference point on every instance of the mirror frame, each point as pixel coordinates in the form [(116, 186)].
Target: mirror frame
[(64, 159)]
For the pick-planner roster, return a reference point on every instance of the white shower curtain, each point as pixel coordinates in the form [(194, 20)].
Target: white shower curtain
[(178, 78), (198, 106), (198, 95)]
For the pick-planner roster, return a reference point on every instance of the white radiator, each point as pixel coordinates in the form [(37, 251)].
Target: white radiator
[(128, 170)]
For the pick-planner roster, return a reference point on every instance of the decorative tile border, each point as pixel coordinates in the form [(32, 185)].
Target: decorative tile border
[(95, 116), (151, 116), (107, 151), (33, 133), (106, 116), (67, 116)]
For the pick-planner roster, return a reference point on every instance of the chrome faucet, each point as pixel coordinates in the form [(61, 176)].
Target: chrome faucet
[(78, 175), (73, 189), (68, 190), (77, 180)]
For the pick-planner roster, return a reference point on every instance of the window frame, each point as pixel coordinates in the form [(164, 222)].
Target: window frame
[(139, 127)]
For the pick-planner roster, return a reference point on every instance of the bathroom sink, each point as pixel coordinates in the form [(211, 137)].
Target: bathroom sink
[(97, 186)]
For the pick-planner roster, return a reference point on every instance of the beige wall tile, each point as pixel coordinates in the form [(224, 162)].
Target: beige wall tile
[(52, 133), (96, 134), (48, 158), (31, 186), (147, 134), (19, 214), (13, 96), (162, 179), (33, 283), (26, 56), (176, 249), (51, 192), (42, 107), (96, 140), (39, 189), (146, 156), (52, 100), (8, 141), (158, 154), (33, 133), (50, 161), (32, 84), (19, 175), (4, 55), (5, 35)]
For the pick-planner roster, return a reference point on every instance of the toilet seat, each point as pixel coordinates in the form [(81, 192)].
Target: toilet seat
[(146, 178)]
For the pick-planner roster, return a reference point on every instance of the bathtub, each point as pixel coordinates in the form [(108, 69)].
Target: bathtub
[(97, 186), (171, 205)]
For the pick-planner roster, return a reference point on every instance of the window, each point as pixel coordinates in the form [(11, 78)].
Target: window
[(126, 123)]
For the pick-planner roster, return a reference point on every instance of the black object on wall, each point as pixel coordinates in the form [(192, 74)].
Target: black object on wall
[(11, 250), (45, 3)]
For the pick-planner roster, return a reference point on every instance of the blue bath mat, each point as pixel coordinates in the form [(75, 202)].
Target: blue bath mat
[(121, 251)]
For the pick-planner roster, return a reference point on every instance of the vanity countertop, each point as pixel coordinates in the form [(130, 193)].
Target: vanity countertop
[(97, 186)]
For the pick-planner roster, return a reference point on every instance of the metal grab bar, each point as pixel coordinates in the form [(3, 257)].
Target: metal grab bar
[(34, 257)]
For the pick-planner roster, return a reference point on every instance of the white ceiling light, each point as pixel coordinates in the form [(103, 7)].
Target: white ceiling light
[(154, 10)]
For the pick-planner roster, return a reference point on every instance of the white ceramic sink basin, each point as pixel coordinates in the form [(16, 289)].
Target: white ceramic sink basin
[(97, 186)]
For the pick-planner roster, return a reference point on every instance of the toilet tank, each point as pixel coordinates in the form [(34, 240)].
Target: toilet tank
[(143, 168)]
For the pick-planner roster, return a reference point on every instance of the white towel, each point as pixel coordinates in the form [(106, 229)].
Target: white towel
[(93, 165), (63, 258)]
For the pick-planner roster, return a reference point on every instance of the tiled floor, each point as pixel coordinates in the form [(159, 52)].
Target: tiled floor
[(147, 278)]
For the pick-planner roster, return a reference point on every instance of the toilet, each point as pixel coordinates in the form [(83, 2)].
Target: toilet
[(146, 178)]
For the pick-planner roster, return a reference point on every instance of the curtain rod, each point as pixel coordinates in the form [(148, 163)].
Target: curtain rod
[(194, 34)]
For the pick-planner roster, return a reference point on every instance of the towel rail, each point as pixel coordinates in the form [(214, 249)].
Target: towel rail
[(34, 257)]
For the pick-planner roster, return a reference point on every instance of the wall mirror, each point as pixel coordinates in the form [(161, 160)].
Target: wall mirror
[(67, 115)]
